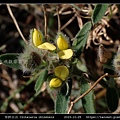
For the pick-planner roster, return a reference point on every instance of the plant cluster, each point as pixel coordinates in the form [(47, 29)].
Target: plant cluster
[(57, 62)]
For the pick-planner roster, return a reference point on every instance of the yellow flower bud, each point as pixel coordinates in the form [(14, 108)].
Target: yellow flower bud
[(47, 46), (55, 83), (62, 42), (61, 72), (37, 37), (65, 54)]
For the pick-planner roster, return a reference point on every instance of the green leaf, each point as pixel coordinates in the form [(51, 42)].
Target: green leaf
[(10, 60), (62, 99), (98, 12), (81, 66), (108, 67), (87, 100), (112, 98), (81, 38), (42, 77), (61, 103)]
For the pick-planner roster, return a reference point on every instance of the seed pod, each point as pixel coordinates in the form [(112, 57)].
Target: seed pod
[(30, 59), (36, 58), (33, 61), (55, 83)]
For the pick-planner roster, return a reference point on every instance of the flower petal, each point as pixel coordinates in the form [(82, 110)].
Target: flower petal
[(62, 42), (47, 46), (65, 54), (55, 82), (61, 72), (37, 37)]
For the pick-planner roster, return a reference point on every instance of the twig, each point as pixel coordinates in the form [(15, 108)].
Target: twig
[(45, 18), (59, 23), (76, 100), (15, 22), (69, 21)]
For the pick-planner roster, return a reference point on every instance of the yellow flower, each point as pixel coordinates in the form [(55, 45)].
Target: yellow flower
[(61, 73), (65, 54), (47, 46), (37, 39), (62, 43), (55, 83)]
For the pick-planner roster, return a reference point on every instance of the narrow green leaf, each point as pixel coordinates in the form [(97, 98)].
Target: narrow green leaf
[(99, 12), (61, 103), (10, 60), (108, 67), (62, 99), (87, 100), (112, 98), (81, 38), (42, 77)]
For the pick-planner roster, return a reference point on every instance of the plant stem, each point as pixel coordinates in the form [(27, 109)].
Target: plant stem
[(15, 22), (76, 100)]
